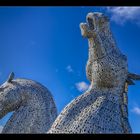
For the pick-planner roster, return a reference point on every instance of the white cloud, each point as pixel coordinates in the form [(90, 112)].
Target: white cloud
[(69, 68), (1, 127), (136, 110), (82, 86), (122, 14)]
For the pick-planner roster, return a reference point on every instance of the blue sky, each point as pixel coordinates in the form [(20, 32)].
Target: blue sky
[(45, 44)]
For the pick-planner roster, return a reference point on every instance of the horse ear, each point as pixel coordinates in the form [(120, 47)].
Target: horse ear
[(133, 76), (11, 77)]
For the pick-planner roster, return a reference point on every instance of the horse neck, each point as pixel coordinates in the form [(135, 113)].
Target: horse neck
[(33, 114), (37, 98)]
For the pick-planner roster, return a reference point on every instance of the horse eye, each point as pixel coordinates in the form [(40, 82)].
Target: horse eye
[(2, 88)]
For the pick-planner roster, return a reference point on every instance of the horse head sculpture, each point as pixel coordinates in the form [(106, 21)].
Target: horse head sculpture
[(103, 48), (32, 103)]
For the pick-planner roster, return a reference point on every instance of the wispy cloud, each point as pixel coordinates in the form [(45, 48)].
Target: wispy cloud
[(69, 68), (123, 14), (1, 127), (82, 86), (136, 110)]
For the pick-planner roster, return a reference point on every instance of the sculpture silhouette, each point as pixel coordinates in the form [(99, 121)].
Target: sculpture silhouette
[(32, 103), (103, 107)]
